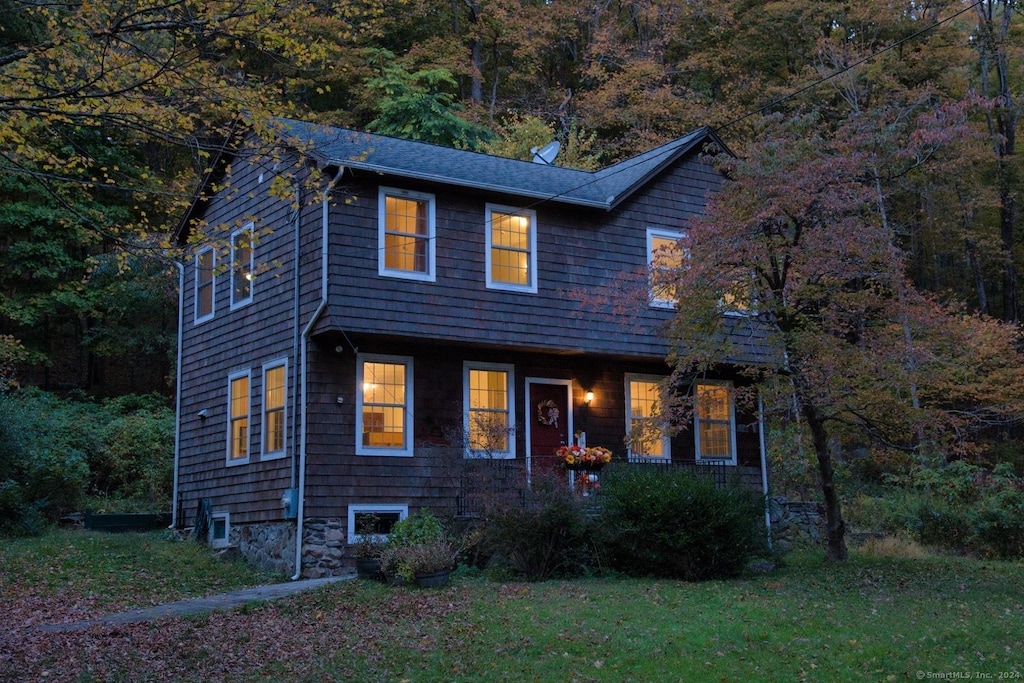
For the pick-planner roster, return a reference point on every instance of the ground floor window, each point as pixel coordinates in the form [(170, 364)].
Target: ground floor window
[(716, 423), (375, 520), (489, 410), (384, 410), (644, 426)]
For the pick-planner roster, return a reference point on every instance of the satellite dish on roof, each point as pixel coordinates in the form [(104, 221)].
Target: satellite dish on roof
[(547, 153)]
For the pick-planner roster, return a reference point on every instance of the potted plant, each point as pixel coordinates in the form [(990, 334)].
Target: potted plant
[(367, 550), (419, 550)]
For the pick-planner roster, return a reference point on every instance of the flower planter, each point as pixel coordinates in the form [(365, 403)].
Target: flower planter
[(433, 579)]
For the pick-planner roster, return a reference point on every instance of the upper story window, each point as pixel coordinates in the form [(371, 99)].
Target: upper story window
[(511, 248), (238, 417), (205, 262), (489, 410), (275, 387), (407, 231), (384, 405), (664, 258), (716, 423), (242, 265), (646, 436)]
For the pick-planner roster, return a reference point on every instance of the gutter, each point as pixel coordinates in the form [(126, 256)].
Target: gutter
[(304, 369), (764, 469), (177, 394)]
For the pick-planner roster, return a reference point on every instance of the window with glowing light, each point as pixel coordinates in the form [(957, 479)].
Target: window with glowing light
[(275, 385), (646, 438), (242, 266), (511, 249), (384, 406), (238, 417), (716, 423), (406, 234), (664, 258), (489, 410)]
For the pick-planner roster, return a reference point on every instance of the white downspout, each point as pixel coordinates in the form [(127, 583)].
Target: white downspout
[(764, 469), (177, 394), (300, 507)]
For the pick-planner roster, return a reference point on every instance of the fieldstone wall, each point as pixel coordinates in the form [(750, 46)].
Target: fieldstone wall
[(796, 523), (272, 547), (268, 546)]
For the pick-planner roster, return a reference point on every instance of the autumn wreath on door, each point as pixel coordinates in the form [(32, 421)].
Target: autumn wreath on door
[(548, 413)]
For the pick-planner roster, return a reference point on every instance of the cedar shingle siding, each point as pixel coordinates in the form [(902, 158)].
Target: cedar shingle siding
[(591, 247)]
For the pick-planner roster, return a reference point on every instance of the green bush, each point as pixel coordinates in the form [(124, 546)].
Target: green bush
[(549, 534), (674, 524)]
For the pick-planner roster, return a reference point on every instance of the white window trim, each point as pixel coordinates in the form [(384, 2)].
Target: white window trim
[(666, 440), (531, 286), (382, 269), (511, 398), (356, 508), (407, 361), (213, 285), (248, 429), (220, 542), (250, 228), (652, 233), (732, 425), (273, 455)]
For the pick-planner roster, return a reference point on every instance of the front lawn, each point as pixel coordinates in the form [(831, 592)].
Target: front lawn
[(869, 619)]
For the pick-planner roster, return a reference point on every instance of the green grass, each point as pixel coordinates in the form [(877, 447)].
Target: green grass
[(871, 618)]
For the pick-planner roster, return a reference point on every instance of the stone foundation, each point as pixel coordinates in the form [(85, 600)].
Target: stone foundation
[(272, 547)]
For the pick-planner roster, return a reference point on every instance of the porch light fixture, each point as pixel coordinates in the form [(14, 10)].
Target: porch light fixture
[(588, 398)]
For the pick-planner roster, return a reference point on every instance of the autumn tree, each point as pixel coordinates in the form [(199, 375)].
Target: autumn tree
[(795, 243)]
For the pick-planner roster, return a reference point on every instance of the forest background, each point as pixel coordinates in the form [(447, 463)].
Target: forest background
[(111, 115)]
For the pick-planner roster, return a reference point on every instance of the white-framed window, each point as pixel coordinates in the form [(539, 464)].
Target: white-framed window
[(374, 519), (239, 409), (664, 258), (220, 530), (646, 437), (275, 417), (715, 416), (384, 409), (205, 281), (511, 246), (407, 232), (489, 413), (242, 265)]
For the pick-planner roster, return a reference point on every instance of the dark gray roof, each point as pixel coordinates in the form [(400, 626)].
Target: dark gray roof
[(604, 189)]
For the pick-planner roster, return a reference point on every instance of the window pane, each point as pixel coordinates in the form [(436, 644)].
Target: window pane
[(241, 266), (406, 234), (239, 401), (384, 405), (714, 421), (646, 438), (510, 248), (273, 405), (204, 283), (488, 411)]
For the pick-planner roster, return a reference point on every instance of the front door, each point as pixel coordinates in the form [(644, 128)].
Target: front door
[(549, 413)]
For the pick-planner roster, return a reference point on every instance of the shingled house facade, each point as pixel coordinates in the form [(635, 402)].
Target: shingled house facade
[(354, 345)]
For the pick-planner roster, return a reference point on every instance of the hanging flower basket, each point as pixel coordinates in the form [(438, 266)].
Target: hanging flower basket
[(580, 459)]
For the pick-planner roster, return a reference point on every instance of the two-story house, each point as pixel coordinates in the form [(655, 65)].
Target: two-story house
[(366, 319)]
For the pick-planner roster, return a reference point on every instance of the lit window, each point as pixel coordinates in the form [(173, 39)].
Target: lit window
[(241, 266), (238, 417), (274, 427), (488, 415), (384, 407), (205, 262), (664, 258), (646, 438), (407, 231), (716, 425), (511, 249)]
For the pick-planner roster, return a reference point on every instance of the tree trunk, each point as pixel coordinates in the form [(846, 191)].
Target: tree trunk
[(836, 528)]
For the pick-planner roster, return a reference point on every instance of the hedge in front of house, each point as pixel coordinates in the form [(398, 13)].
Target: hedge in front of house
[(675, 524)]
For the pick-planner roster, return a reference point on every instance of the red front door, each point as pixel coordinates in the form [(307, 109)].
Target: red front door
[(551, 422)]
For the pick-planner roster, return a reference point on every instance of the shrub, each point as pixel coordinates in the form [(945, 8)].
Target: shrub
[(677, 525), (548, 534)]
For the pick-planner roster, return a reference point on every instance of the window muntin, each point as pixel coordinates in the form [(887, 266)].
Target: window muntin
[(407, 234), (646, 437), (716, 422), (375, 519), (384, 410), (275, 430), (238, 417), (241, 266), (664, 257), (205, 279), (489, 412), (511, 249)]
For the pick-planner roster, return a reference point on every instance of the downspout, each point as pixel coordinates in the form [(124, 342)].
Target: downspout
[(296, 315), (301, 503), (177, 393), (764, 469)]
